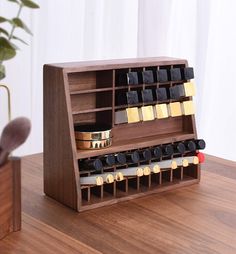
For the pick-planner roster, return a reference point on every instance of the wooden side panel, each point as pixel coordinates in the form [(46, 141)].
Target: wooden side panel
[(59, 149), (6, 204), (10, 197), (16, 167)]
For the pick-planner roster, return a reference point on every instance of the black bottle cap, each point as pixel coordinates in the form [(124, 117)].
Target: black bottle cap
[(132, 97), (191, 146), (168, 150), (110, 159), (134, 157), (176, 92), (147, 77), (146, 154), (147, 95), (162, 75), (161, 94), (157, 152), (97, 164), (132, 78), (201, 144), (175, 74), (121, 159), (187, 73), (180, 148)]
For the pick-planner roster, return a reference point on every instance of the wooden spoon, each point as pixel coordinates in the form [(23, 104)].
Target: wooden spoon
[(14, 134)]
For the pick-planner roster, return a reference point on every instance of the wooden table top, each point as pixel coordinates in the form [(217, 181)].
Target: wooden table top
[(196, 219)]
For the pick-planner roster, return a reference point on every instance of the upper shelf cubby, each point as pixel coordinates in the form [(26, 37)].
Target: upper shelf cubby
[(90, 81)]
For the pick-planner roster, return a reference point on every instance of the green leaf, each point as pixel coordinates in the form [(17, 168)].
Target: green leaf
[(2, 19), (14, 46), (4, 31), (19, 39), (7, 50), (19, 23), (14, 1), (2, 72), (29, 4)]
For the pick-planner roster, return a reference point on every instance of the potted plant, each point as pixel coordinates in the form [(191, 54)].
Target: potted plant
[(8, 48)]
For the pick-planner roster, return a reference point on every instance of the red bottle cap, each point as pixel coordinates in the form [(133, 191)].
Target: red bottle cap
[(201, 157)]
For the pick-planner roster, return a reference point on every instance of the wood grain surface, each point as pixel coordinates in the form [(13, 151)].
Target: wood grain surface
[(196, 219), (10, 197)]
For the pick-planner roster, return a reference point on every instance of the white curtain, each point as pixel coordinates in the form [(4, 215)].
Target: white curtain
[(201, 31), (65, 30)]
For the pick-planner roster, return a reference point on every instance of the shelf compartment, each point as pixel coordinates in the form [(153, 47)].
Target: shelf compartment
[(98, 90), (166, 176), (85, 103), (145, 182), (145, 129), (91, 110), (136, 143), (79, 81), (91, 116), (177, 174), (191, 171), (153, 103), (122, 196), (134, 184), (156, 179)]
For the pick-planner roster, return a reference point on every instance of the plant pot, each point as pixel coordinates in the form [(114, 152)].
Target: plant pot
[(10, 197)]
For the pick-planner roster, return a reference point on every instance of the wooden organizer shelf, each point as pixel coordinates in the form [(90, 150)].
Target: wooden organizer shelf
[(85, 92)]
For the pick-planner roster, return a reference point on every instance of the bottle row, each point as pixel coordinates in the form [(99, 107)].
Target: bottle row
[(158, 111), (142, 170), (144, 155), (159, 94), (153, 76)]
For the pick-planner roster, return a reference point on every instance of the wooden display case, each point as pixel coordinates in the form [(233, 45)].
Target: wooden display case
[(85, 92)]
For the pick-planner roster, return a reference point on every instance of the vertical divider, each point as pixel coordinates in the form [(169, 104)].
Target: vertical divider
[(101, 192), (149, 180), (160, 178), (157, 84), (181, 173), (126, 185), (171, 175), (171, 170), (89, 194), (114, 183), (113, 96), (129, 84), (114, 188), (138, 183), (143, 82)]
